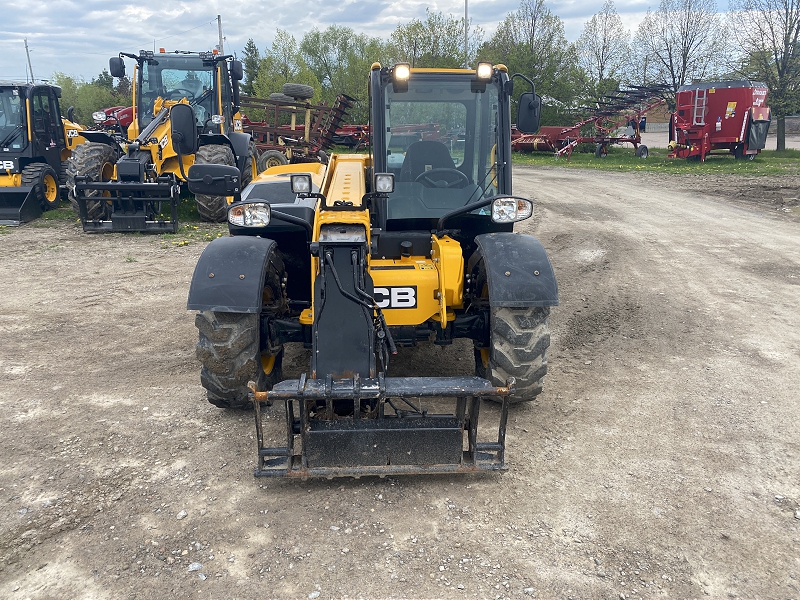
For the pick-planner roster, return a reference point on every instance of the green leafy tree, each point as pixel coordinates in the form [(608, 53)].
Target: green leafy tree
[(87, 98), (531, 41), (282, 63), (769, 33), (104, 80), (340, 60), (436, 41), (251, 59)]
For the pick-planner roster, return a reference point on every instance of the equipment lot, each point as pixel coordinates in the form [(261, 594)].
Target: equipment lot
[(660, 461)]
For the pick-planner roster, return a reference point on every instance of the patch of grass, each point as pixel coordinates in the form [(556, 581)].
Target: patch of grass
[(52, 218), (190, 232), (623, 159)]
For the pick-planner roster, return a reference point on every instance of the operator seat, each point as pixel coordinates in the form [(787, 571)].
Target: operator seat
[(423, 156), (193, 85)]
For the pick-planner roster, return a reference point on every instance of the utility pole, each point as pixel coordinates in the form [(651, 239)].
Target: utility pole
[(219, 27), (30, 68), (466, 36)]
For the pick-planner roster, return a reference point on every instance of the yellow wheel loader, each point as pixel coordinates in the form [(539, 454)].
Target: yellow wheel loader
[(35, 143), (411, 244), (185, 112)]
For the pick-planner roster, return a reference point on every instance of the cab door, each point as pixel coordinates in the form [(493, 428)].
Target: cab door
[(46, 126)]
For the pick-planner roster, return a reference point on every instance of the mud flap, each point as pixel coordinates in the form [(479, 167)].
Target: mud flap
[(18, 205)]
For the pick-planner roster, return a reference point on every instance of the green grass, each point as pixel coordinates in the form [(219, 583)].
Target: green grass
[(53, 218), (623, 159)]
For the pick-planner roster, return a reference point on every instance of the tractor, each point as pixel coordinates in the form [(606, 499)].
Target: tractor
[(35, 143), (412, 244), (185, 111)]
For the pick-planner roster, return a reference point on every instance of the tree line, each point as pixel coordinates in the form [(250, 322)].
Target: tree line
[(680, 42)]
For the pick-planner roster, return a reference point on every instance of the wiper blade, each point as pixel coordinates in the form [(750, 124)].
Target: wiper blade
[(10, 137)]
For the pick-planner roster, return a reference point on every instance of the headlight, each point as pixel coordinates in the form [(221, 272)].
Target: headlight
[(301, 183), (254, 214), (484, 71), (99, 116), (510, 209), (402, 71), (217, 119), (384, 183)]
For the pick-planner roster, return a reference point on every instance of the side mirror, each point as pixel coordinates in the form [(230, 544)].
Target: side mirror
[(184, 129), (214, 180), (236, 93), (71, 113), (237, 70), (529, 112), (116, 67)]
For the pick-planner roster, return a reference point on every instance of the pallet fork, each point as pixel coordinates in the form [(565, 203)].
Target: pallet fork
[(394, 440)]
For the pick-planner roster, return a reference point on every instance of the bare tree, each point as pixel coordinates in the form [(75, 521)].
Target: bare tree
[(768, 32), (679, 43), (603, 47)]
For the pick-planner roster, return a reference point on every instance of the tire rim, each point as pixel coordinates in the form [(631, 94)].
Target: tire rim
[(268, 363), (50, 188)]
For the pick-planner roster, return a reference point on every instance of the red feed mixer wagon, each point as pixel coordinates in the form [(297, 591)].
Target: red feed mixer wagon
[(729, 117)]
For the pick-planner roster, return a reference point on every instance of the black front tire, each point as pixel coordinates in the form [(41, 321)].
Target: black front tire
[(231, 351), (519, 340), (228, 349), (213, 208), (44, 181), (251, 165), (95, 161)]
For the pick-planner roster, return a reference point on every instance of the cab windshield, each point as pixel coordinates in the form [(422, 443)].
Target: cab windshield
[(176, 77), (441, 144), (11, 119)]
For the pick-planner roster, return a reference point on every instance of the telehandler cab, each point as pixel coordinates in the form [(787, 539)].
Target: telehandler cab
[(35, 143), (186, 111), (410, 244)]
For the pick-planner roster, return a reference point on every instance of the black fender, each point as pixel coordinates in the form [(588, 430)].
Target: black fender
[(238, 142), (518, 270), (229, 277), (101, 137)]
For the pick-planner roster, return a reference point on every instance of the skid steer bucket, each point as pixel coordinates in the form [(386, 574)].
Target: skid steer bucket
[(131, 206), (382, 426), (18, 205)]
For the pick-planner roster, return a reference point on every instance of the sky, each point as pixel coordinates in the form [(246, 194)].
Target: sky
[(77, 37)]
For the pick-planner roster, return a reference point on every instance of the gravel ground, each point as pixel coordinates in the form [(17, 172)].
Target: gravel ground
[(661, 461)]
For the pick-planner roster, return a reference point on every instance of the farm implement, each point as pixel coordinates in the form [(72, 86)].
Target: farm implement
[(727, 117), (615, 119), (292, 129)]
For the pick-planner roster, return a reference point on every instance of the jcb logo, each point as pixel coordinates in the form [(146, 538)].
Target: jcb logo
[(396, 297), (71, 133), (7, 165), (164, 141)]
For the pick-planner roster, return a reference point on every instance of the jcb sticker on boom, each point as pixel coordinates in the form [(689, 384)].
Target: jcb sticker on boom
[(396, 297), (71, 133)]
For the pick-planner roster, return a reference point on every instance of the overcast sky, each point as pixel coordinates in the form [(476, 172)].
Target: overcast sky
[(78, 37)]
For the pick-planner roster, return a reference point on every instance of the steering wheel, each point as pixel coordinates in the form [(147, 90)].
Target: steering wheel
[(183, 92), (452, 178)]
